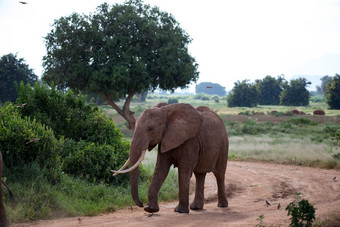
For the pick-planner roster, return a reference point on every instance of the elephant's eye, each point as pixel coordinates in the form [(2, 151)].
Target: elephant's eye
[(150, 129)]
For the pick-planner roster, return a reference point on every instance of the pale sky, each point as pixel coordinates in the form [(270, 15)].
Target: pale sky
[(232, 39)]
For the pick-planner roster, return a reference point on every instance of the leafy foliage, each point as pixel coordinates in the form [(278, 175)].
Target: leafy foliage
[(295, 93), (325, 80), (210, 89), (243, 94), (333, 93), (301, 211), (119, 51), (24, 140), (68, 115), (92, 145), (269, 90), (93, 161), (172, 100), (13, 70)]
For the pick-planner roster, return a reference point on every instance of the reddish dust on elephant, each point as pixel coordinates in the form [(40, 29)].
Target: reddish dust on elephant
[(248, 186)]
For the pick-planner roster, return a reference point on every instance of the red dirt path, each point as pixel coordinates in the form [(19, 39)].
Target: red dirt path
[(249, 185)]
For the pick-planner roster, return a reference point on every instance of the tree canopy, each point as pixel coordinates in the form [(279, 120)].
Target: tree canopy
[(210, 88), (333, 93), (295, 93), (324, 81), (243, 94), (13, 70), (269, 90), (118, 51)]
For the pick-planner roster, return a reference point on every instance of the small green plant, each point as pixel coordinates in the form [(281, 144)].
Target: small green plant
[(260, 220), (301, 211)]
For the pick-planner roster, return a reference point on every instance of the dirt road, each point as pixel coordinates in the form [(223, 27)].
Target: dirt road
[(249, 185)]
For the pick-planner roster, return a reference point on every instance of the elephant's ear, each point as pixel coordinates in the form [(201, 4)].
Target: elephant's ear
[(183, 123)]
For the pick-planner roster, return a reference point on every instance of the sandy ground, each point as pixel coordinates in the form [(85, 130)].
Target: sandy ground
[(249, 185)]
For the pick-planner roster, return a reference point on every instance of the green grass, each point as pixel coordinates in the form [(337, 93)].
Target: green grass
[(38, 199)]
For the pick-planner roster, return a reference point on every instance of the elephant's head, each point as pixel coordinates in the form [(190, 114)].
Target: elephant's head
[(168, 126)]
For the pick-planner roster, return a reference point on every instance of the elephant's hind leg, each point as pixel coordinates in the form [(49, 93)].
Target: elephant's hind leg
[(198, 202), (222, 199)]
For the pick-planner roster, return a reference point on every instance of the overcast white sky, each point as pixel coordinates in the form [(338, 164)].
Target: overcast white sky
[(232, 39)]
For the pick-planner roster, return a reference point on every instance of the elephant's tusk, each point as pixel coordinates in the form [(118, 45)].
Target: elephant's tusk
[(122, 168), (132, 167)]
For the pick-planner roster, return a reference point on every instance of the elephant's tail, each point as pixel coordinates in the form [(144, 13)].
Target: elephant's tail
[(11, 196)]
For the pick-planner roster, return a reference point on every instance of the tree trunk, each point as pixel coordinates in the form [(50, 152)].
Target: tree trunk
[(126, 113)]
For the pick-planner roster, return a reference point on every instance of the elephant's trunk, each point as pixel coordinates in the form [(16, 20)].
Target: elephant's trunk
[(135, 156)]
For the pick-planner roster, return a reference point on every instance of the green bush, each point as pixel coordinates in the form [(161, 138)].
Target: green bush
[(67, 114), (101, 146), (24, 140), (301, 121), (301, 211), (172, 100), (93, 161)]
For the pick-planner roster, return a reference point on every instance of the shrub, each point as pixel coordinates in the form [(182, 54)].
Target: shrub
[(198, 96), (300, 121), (24, 140), (100, 142), (204, 98), (172, 100), (68, 115), (93, 161), (302, 212)]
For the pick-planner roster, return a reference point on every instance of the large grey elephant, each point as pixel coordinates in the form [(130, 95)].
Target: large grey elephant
[(193, 140)]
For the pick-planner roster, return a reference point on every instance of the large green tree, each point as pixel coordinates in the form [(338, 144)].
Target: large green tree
[(269, 90), (119, 51), (333, 93), (210, 88), (243, 94), (13, 70), (295, 93)]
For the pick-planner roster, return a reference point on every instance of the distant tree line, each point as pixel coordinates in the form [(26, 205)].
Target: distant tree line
[(278, 91), (270, 91), (210, 89)]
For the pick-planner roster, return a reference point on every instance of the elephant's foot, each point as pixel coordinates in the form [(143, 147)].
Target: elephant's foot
[(223, 203), (151, 209), (196, 206), (182, 209)]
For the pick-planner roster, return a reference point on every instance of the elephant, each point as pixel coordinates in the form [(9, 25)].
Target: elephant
[(192, 139)]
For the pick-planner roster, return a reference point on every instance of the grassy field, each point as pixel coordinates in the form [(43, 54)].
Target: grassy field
[(255, 135), (258, 135)]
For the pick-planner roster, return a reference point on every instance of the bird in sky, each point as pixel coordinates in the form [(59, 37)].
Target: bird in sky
[(209, 87), (24, 3)]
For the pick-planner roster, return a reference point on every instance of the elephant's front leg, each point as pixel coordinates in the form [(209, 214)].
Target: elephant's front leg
[(184, 182), (160, 174)]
